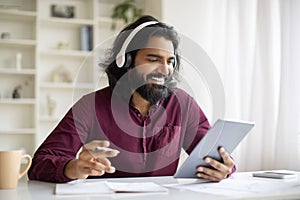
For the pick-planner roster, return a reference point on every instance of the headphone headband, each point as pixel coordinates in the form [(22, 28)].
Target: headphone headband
[(120, 59)]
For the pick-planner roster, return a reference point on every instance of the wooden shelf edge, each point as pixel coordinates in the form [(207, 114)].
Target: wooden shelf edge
[(17, 12), (18, 131), (19, 72), (18, 42), (25, 101), (66, 85), (57, 52), (71, 21)]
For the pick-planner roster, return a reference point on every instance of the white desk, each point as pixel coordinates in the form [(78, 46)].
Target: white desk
[(36, 190)]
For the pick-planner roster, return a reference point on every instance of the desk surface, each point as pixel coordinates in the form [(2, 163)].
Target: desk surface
[(37, 190)]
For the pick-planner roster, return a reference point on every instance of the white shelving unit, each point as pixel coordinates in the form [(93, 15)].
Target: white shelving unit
[(17, 116), (54, 66)]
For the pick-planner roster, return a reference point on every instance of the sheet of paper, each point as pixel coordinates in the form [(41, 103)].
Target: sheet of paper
[(77, 188), (136, 187), (104, 187), (238, 187)]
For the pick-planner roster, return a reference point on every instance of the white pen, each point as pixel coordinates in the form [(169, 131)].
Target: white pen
[(104, 149)]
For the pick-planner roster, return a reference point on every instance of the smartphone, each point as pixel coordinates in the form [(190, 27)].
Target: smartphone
[(277, 175)]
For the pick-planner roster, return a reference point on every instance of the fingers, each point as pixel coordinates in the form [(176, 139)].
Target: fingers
[(105, 152), (228, 162), (79, 168), (218, 170), (93, 159), (96, 143), (107, 163), (97, 149), (92, 168), (224, 167), (210, 174)]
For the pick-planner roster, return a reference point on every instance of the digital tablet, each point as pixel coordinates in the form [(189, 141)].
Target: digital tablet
[(223, 133)]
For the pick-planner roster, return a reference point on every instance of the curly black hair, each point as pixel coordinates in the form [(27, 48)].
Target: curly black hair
[(139, 41)]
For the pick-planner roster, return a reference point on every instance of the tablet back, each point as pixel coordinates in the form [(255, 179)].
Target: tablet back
[(227, 134)]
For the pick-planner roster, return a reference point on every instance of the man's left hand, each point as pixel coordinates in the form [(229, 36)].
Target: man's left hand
[(220, 170)]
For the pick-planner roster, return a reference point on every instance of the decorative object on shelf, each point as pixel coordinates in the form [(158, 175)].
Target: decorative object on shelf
[(126, 11), (19, 61), (61, 74), (62, 45), (51, 104), (16, 92), (5, 35), (64, 11)]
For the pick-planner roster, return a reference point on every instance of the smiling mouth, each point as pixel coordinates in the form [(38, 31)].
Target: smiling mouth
[(156, 80)]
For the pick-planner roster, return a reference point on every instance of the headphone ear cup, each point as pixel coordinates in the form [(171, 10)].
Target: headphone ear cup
[(128, 60), (174, 63)]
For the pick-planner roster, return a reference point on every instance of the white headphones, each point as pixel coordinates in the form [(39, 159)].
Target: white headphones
[(120, 59)]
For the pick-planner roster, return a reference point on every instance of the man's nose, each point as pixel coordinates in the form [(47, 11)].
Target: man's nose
[(164, 68)]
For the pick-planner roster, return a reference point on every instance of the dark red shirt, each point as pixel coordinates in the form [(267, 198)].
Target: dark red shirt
[(148, 147)]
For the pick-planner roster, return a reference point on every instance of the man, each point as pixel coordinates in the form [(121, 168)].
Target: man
[(141, 116)]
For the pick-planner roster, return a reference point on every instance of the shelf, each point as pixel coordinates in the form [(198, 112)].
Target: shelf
[(50, 119), (109, 20), (66, 85), (17, 72), (19, 131), (105, 20), (36, 34), (21, 101), (18, 14), (18, 42), (71, 53), (72, 21)]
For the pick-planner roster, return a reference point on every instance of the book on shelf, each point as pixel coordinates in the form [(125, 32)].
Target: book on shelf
[(86, 34), (90, 31)]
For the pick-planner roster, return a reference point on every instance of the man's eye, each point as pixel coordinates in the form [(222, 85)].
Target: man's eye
[(170, 62), (152, 60)]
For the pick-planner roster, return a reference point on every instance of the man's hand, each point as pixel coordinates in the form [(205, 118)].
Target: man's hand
[(92, 161), (220, 171)]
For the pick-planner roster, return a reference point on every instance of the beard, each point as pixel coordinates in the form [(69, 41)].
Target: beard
[(150, 91), (153, 92)]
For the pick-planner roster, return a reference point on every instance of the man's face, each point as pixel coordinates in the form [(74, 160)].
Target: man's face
[(154, 69)]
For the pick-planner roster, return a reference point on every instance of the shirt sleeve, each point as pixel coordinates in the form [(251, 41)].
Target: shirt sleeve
[(60, 147)]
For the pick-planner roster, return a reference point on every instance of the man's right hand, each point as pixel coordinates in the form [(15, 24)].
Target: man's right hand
[(92, 161)]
